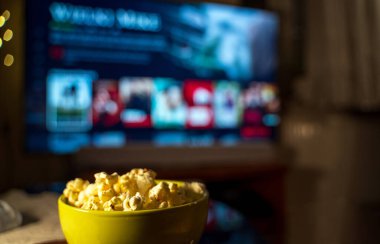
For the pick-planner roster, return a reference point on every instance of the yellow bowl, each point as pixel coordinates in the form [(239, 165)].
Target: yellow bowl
[(180, 224)]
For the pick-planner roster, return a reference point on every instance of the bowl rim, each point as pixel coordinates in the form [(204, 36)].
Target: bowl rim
[(61, 202)]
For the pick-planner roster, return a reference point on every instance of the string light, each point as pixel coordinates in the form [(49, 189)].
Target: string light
[(2, 21), (8, 34), (6, 14), (8, 60)]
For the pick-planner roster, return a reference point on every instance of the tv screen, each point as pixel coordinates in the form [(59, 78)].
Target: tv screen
[(117, 73)]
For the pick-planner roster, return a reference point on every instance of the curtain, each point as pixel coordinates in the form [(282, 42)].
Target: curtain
[(342, 54)]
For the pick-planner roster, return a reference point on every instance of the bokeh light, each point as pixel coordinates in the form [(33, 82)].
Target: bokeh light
[(1, 42), (8, 34), (8, 60), (2, 21), (6, 14)]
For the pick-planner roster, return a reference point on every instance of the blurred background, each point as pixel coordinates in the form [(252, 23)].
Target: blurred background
[(79, 95)]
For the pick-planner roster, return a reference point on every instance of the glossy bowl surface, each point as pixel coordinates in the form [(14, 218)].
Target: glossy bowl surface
[(180, 224)]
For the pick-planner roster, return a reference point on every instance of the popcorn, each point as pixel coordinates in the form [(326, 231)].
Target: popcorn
[(115, 203), (133, 191), (73, 188), (163, 204), (160, 192), (136, 202), (93, 203)]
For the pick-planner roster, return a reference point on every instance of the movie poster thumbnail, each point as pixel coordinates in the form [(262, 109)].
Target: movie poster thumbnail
[(227, 104), (136, 96), (68, 100), (199, 97), (106, 105), (261, 105), (169, 109)]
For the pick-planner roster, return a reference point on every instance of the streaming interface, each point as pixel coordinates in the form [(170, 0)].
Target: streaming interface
[(109, 74)]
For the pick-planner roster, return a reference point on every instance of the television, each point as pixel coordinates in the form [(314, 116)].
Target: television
[(114, 74)]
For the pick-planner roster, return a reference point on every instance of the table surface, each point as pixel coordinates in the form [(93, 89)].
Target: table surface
[(40, 218)]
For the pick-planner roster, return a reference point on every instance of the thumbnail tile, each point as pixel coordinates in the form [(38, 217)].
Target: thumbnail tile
[(168, 105), (171, 138), (203, 139), (68, 100), (106, 105), (136, 95), (250, 132), (109, 139), (227, 104), (199, 96), (63, 143)]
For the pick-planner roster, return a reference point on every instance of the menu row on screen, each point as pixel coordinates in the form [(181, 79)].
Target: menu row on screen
[(77, 101)]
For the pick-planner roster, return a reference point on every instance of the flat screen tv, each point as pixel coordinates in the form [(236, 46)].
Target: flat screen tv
[(110, 74)]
